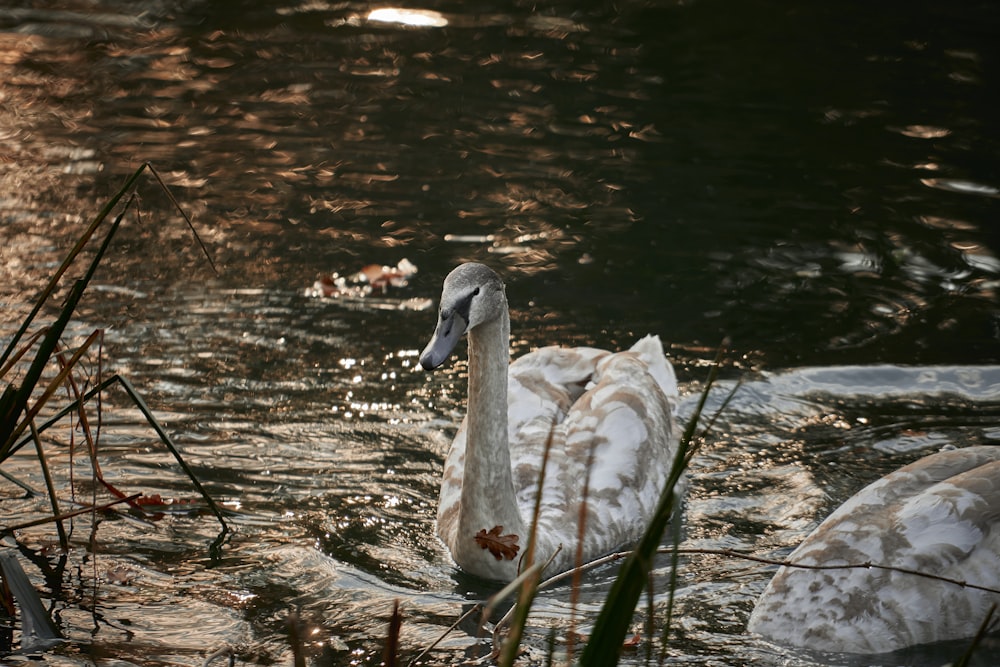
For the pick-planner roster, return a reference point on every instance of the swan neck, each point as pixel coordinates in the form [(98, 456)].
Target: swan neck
[(488, 496), (489, 357)]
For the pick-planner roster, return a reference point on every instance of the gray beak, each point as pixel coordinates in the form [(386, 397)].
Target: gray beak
[(449, 331)]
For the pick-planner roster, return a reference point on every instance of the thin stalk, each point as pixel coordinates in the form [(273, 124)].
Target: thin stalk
[(165, 439), (295, 628), (574, 596), (650, 615), (504, 593), (9, 530), (868, 565), (23, 350), (84, 422), (53, 499), (10, 429), (390, 656), (180, 210), (530, 585), (966, 656), (472, 610), (535, 569), (11, 424), (24, 485), (674, 566), (75, 405)]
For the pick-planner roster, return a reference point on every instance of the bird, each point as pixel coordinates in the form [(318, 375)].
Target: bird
[(607, 420), (939, 515)]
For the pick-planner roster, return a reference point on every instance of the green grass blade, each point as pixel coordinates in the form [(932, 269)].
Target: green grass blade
[(613, 622), (529, 587), (50, 485)]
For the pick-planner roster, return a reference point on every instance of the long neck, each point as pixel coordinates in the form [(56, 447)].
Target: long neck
[(488, 497)]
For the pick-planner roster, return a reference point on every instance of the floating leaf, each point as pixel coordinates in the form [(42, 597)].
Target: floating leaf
[(155, 499), (372, 278), (503, 547)]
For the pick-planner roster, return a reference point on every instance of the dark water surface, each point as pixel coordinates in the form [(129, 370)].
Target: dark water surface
[(818, 182)]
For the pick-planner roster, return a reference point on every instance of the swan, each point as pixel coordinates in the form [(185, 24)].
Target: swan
[(939, 515), (610, 419)]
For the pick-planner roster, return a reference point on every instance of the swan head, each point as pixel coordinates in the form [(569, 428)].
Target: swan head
[(472, 294)]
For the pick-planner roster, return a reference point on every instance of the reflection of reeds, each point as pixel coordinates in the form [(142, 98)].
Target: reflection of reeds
[(29, 390)]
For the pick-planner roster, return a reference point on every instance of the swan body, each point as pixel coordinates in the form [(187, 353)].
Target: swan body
[(939, 515), (609, 417)]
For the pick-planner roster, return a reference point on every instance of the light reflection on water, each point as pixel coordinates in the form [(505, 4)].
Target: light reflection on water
[(675, 169)]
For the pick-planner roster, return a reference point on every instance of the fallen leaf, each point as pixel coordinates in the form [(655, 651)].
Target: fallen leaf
[(372, 278), (503, 547), (153, 506), (382, 277)]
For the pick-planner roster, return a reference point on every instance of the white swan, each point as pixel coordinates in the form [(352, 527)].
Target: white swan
[(611, 423), (939, 515)]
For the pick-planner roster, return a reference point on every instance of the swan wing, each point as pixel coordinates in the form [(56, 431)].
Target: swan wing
[(450, 498), (622, 438), (543, 386), (546, 382), (612, 446)]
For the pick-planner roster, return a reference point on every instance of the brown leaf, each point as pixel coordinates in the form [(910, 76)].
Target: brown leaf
[(501, 546), (155, 499)]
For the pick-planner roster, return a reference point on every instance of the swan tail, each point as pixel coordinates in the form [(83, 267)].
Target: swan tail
[(650, 350)]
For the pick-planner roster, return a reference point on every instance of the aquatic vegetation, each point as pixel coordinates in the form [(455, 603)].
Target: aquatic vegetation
[(36, 364)]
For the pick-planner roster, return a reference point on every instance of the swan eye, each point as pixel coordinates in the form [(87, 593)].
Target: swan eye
[(475, 292)]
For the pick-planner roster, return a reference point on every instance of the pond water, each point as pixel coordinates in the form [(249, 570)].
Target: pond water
[(818, 183)]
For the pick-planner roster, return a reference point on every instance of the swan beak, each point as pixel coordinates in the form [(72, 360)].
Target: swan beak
[(449, 331)]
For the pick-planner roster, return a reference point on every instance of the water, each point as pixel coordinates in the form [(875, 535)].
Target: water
[(819, 184)]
